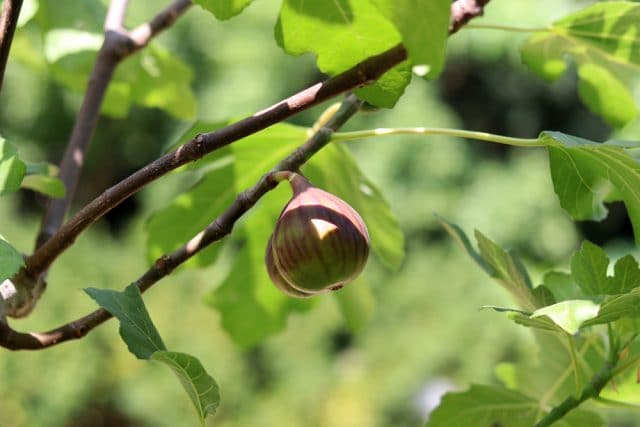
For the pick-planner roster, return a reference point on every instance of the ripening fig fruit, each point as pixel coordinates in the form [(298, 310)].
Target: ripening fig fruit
[(320, 243)]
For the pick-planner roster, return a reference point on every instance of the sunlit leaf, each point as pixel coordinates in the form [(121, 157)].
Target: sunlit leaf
[(199, 385), (12, 169), (10, 260), (424, 26), (224, 9), (342, 33), (47, 185), (136, 328), (569, 315), (602, 40)]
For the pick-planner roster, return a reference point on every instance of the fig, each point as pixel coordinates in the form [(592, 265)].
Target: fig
[(320, 243)]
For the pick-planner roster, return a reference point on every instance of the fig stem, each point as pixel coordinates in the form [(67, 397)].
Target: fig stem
[(480, 136)]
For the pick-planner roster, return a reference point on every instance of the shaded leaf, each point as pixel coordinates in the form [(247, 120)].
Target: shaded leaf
[(562, 286), (136, 328), (224, 9), (508, 271), (617, 307), (583, 171), (589, 269), (12, 169), (461, 238), (602, 40), (199, 385)]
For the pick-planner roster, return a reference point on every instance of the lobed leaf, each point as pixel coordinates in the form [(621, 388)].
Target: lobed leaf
[(585, 172), (602, 41), (342, 33), (424, 27)]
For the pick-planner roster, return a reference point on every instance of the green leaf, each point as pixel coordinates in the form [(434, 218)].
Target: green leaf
[(190, 213), (461, 238), (618, 307), (424, 26), (335, 170), (342, 33), (47, 185), (10, 260), (252, 308), (626, 275), (12, 169), (562, 286), (136, 328), (602, 41), (483, 406), (152, 78), (224, 9), (84, 15), (584, 171), (59, 43), (199, 385), (508, 271), (227, 172), (589, 269), (569, 315), (356, 303), (27, 11)]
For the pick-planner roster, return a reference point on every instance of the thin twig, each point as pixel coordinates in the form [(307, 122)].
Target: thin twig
[(8, 24), (118, 44), (216, 230)]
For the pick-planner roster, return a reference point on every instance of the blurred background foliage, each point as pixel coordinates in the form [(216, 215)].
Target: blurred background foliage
[(425, 333)]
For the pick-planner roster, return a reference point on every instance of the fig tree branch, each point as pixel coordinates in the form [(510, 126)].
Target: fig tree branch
[(360, 75), (215, 231), (118, 44), (8, 24)]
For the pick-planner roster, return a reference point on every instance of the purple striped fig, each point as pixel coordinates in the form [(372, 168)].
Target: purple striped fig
[(320, 243)]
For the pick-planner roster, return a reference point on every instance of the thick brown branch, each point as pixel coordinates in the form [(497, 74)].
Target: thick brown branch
[(8, 24), (118, 45), (164, 265)]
